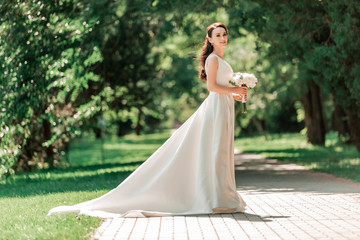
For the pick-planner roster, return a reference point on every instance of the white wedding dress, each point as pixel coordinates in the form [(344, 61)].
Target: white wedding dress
[(191, 173)]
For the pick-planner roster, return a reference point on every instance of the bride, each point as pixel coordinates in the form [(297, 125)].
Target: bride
[(193, 171)]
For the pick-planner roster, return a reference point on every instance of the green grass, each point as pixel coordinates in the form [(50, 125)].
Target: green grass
[(337, 159), (26, 198)]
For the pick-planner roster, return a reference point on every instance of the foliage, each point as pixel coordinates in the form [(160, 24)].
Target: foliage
[(64, 64), (275, 95), (48, 85), (319, 38)]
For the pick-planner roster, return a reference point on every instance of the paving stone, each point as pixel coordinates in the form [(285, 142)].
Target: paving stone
[(285, 201)]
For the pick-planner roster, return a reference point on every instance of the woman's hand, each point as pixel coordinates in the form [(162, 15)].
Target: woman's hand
[(238, 95)]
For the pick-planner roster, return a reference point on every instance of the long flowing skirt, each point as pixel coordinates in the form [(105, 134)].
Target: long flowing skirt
[(191, 173)]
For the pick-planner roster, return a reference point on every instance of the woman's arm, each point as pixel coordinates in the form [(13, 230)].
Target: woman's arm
[(213, 64)]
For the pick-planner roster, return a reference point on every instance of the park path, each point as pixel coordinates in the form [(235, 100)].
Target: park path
[(285, 201)]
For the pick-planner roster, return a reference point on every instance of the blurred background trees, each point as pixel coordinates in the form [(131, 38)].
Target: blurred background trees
[(67, 64), (319, 38)]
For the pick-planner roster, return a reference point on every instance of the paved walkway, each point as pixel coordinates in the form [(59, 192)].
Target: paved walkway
[(285, 201)]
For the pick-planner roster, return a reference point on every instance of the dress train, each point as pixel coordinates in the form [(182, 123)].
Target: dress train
[(191, 173)]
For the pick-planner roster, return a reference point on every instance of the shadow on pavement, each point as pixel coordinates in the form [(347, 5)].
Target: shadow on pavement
[(256, 175)]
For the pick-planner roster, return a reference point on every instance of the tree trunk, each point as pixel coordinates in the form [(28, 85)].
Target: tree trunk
[(138, 124), (314, 115), (259, 127), (124, 128), (340, 121), (354, 127), (97, 131), (347, 123), (47, 135)]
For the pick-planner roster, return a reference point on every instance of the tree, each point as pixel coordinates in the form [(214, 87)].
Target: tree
[(66, 62), (319, 37), (48, 87)]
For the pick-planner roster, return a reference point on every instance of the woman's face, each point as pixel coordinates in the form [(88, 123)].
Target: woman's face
[(219, 37)]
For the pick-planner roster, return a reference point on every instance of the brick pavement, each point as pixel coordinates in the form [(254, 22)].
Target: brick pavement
[(285, 201)]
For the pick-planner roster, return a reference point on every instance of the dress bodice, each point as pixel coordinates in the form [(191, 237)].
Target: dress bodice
[(224, 72)]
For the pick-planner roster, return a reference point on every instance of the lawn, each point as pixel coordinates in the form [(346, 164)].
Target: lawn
[(26, 198), (335, 158)]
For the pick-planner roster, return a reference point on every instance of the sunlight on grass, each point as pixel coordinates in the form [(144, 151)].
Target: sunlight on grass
[(130, 148), (25, 218), (26, 198), (335, 158)]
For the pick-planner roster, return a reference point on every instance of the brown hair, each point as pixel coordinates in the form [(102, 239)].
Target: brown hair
[(208, 48)]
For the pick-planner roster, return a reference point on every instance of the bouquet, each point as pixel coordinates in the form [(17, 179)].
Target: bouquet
[(243, 80)]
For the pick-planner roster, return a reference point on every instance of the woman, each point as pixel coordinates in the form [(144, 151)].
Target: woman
[(193, 171)]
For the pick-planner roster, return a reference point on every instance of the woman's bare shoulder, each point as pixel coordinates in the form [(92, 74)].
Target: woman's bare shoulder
[(212, 61)]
